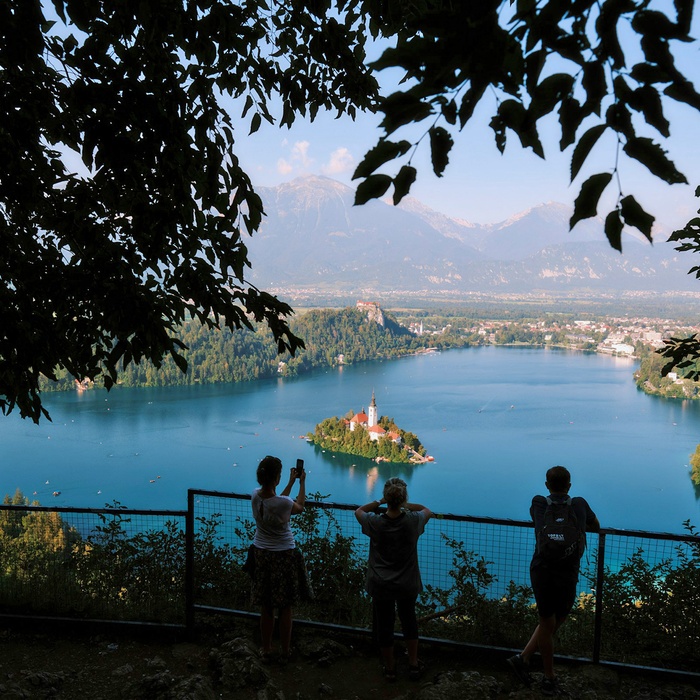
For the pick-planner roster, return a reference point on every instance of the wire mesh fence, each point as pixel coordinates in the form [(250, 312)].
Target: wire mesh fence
[(651, 599), (638, 596), (477, 583), (99, 564)]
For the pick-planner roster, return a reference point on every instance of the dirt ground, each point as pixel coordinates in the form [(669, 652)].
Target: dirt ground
[(108, 666), (57, 663)]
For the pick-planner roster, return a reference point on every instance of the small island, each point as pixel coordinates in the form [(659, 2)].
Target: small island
[(367, 435)]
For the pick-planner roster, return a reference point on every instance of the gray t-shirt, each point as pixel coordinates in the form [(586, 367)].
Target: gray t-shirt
[(392, 567)]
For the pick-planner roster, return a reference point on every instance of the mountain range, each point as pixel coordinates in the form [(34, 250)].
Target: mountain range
[(314, 237)]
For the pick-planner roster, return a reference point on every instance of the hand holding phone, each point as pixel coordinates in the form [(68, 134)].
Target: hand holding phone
[(299, 468)]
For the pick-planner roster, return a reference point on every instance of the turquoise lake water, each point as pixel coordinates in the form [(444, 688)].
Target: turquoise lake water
[(493, 418)]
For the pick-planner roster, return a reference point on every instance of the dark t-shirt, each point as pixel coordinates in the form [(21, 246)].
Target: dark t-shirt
[(585, 518)]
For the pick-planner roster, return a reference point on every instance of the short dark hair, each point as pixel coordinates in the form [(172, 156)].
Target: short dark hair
[(558, 478), (269, 470)]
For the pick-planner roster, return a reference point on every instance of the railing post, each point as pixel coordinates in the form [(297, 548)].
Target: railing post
[(189, 564), (600, 571)]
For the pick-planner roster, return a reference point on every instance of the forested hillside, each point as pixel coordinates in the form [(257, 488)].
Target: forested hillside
[(332, 337), (650, 380)]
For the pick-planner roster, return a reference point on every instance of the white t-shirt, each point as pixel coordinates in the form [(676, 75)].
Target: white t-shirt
[(272, 517)]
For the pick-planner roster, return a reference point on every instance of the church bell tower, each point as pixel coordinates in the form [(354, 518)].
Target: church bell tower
[(372, 417)]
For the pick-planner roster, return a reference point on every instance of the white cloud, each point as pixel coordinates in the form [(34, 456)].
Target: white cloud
[(300, 153), (297, 159), (341, 161), (284, 167)]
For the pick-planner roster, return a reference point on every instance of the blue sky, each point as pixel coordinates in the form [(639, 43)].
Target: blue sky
[(480, 185)]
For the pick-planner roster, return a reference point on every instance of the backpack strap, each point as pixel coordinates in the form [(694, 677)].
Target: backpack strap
[(567, 502)]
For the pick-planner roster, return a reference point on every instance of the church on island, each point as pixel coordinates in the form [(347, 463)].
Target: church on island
[(370, 422), (367, 434)]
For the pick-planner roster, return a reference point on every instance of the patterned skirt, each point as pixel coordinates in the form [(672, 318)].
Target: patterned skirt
[(280, 578)]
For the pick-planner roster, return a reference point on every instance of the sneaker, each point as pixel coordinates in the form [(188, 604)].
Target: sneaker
[(266, 657), (520, 669), (550, 687), (415, 673), (389, 674)]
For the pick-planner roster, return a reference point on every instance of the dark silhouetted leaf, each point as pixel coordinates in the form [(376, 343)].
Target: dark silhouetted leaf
[(499, 129), (683, 91), (618, 117), (383, 152), (470, 100), (180, 361), (403, 108), (440, 145), (595, 85), (586, 204), (647, 101), (403, 181), (634, 215), (372, 187), (584, 146), (653, 157), (613, 229), (549, 93), (571, 114)]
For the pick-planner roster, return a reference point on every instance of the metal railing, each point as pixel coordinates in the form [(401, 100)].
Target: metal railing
[(638, 596)]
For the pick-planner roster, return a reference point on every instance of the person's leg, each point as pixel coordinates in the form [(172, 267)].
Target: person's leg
[(532, 646), (542, 589), (555, 595), (384, 611), (562, 594), (543, 639), (285, 617), (388, 660), (267, 626), (406, 609), (520, 663)]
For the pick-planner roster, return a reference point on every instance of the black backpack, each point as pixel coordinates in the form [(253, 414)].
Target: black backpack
[(560, 538)]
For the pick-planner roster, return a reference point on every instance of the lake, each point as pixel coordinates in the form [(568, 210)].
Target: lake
[(493, 418)]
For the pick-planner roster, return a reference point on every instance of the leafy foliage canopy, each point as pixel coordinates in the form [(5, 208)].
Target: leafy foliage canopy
[(600, 67), (123, 207)]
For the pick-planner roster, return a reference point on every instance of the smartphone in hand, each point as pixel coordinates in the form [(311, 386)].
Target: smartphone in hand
[(299, 468)]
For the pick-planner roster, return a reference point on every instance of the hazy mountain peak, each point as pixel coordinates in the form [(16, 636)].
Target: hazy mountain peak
[(314, 237), (314, 183), (417, 207), (549, 211)]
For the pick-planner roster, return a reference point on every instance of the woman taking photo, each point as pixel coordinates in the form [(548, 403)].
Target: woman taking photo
[(279, 577), (393, 576)]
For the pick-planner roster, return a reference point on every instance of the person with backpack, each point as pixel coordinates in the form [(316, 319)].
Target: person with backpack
[(561, 523)]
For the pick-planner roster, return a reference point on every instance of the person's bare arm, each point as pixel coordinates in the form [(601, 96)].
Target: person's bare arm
[(300, 500), (367, 508)]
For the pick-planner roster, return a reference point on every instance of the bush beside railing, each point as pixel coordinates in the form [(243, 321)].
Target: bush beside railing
[(638, 599), (108, 564)]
